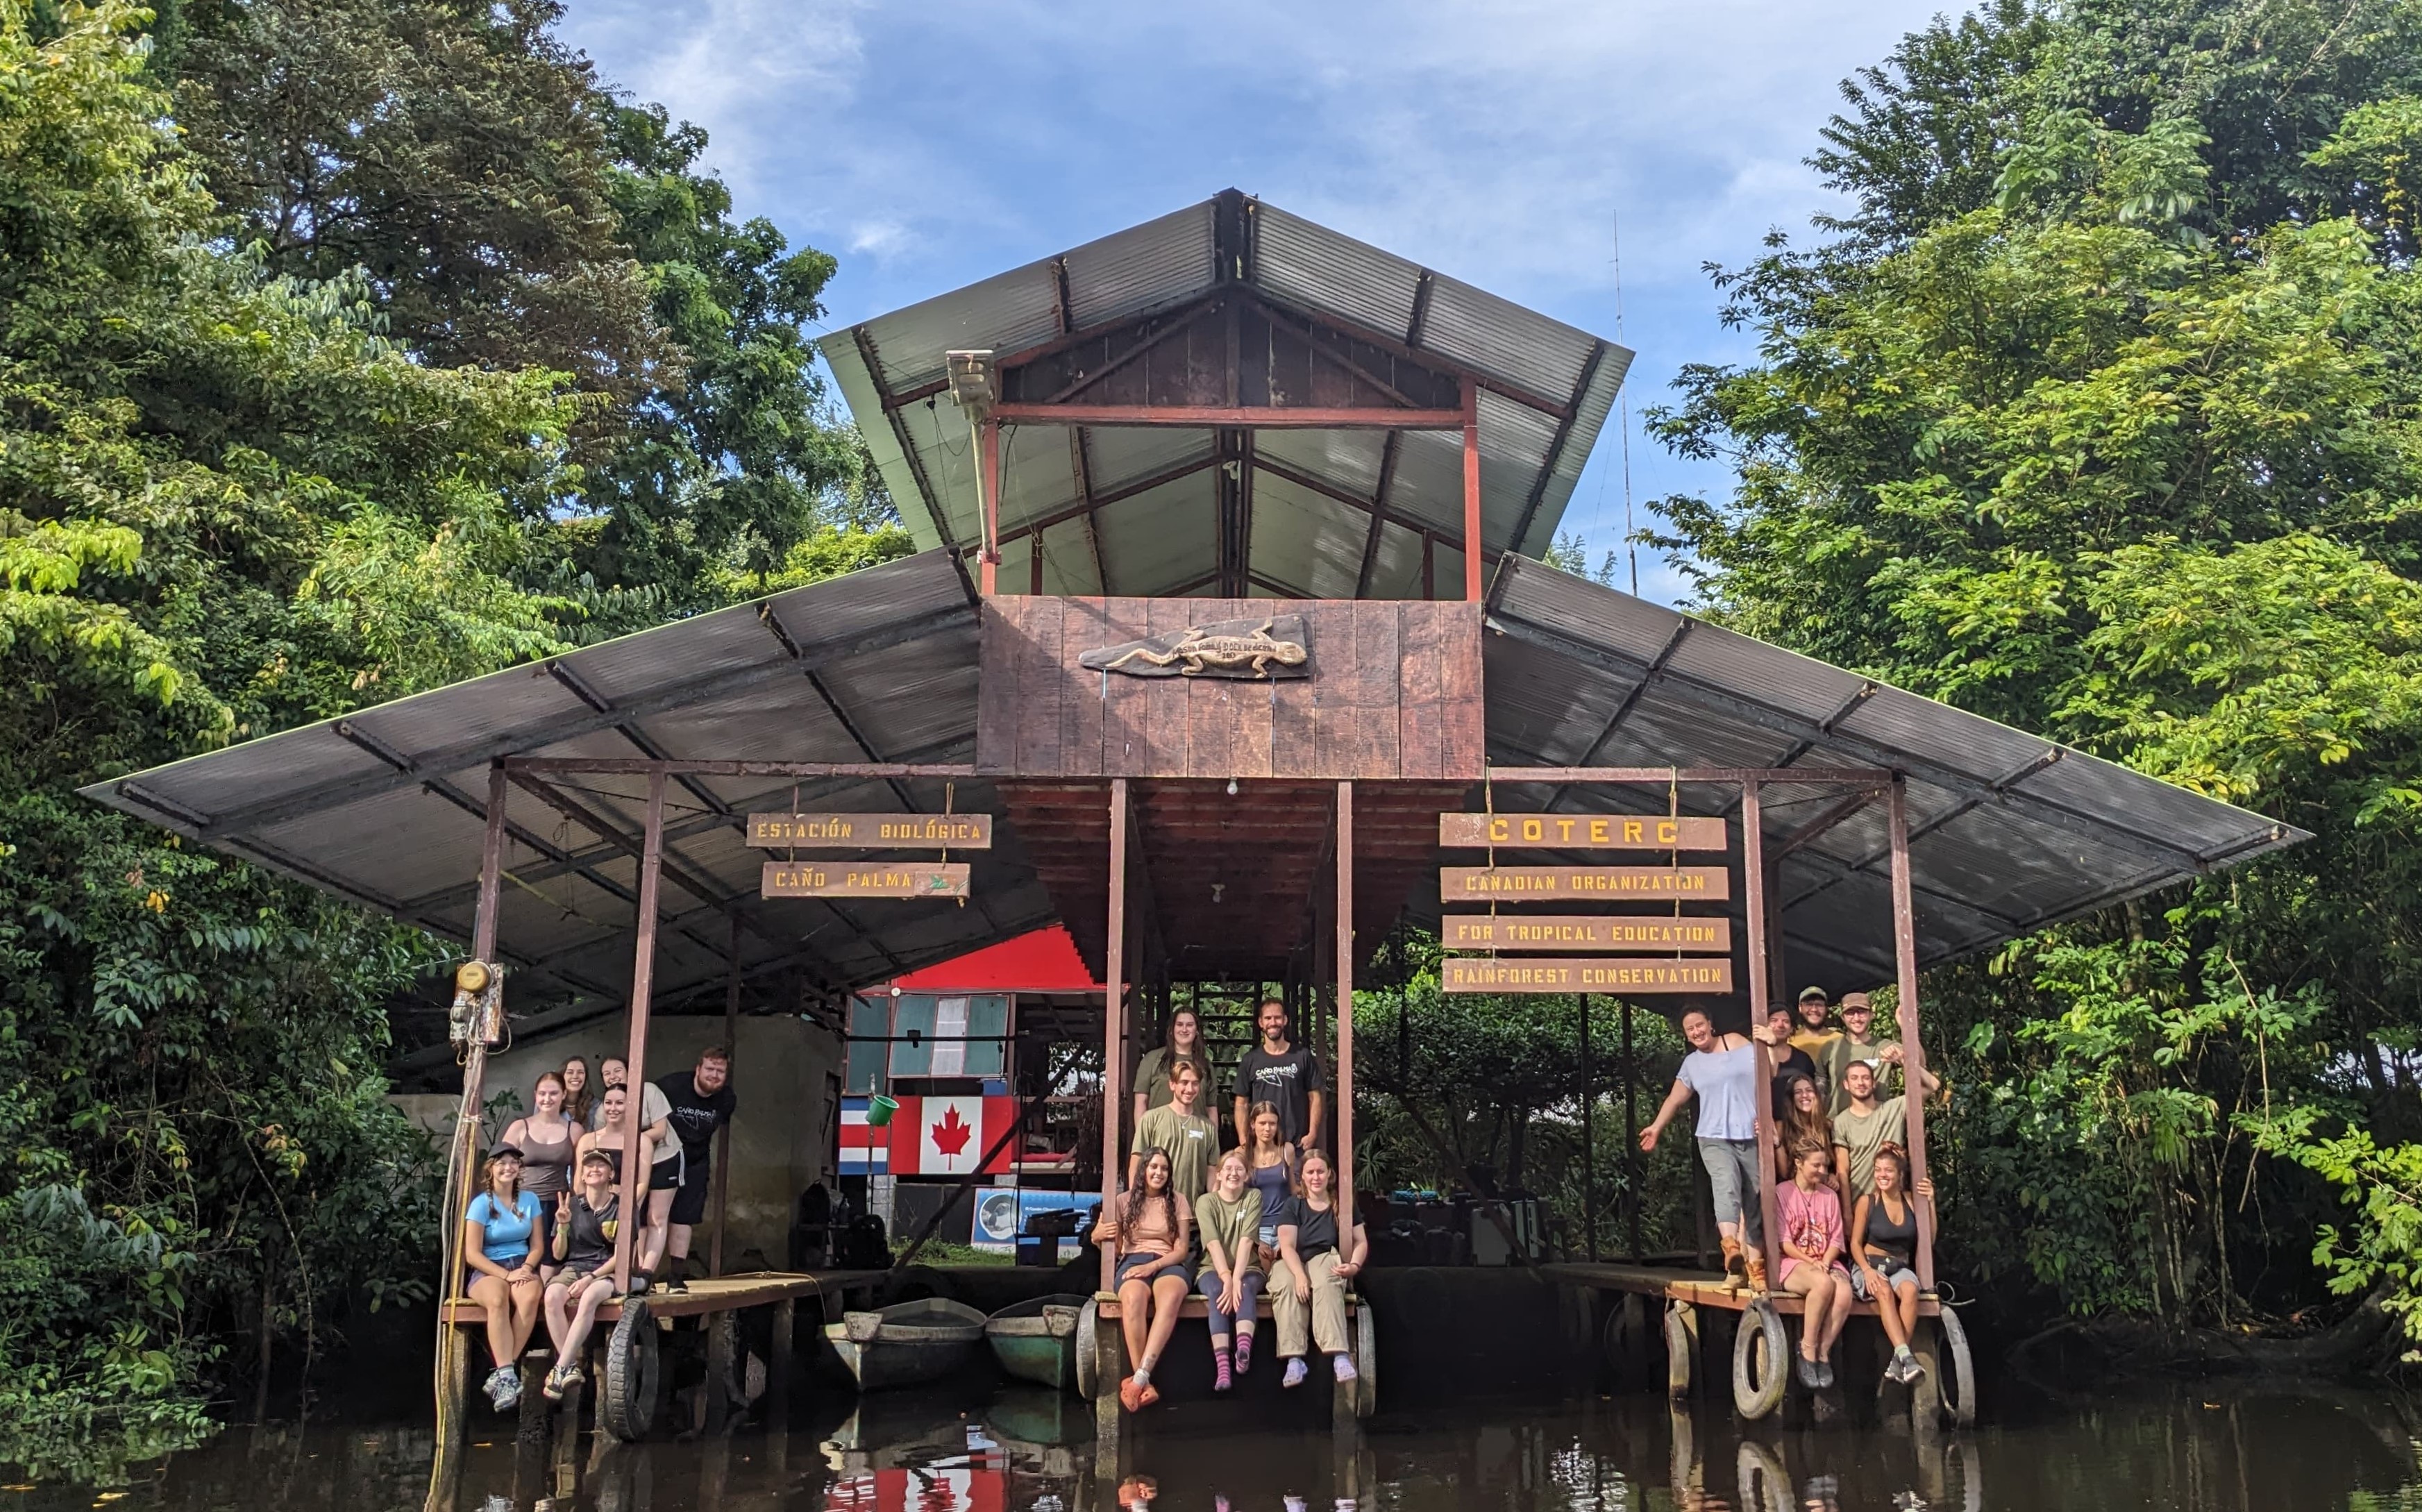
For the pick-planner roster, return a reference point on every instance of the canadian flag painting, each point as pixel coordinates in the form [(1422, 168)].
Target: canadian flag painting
[(951, 1136)]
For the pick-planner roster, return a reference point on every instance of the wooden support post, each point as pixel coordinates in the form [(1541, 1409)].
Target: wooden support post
[(1114, 1010), (1753, 876), (1346, 1017), (1778, 975), (1632, 1174), (778, 1360), (634, 1053), (462, 1163), (723, 1136), (1589, 1140), (722, 1356), (1472, 492), (988, 483), (1912, 1053)]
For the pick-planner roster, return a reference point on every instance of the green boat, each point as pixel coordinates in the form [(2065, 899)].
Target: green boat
[(1036, 1340)]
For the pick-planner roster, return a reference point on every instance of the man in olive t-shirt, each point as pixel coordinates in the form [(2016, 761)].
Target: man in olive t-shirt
[(1185, 1135), (1861, 1129)]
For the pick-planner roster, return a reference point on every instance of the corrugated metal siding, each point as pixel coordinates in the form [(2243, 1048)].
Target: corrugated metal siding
[(1310, 265), (1139, 269)]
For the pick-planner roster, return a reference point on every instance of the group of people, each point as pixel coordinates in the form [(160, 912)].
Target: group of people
[(1236, 1221), (540, 1237), (1838, 1152)]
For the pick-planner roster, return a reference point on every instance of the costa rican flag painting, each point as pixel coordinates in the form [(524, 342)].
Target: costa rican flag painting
[(864, 1148), (928, 1137)]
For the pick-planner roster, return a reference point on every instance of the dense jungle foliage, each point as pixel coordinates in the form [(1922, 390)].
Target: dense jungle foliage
[(347, 348), (2097, 412)]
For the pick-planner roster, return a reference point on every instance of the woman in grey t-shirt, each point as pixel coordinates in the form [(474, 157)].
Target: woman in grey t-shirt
[(1722, 1072)]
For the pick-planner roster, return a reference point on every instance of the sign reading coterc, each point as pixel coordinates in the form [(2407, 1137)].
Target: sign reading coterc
[(864, 879), (811, 831), (1566, 831), (1473, 973), (1556, 884), (1583, 932)]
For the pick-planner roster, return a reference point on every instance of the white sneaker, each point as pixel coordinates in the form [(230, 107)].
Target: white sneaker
[(1344, 1367), (498, 1380), (507, 1395), (1294, 1373)]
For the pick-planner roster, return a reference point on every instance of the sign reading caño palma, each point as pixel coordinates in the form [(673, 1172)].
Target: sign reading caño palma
[(1583, 932), (1473, 973), (864, 879), (1573, 831), (1564, 884), (811, 831)]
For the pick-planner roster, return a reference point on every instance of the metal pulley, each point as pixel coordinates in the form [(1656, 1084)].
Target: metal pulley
[(477, 1013)]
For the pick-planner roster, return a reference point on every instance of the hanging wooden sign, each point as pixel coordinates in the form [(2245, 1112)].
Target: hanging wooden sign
[(812, 831), (1563, 884), (864, 879), (1583, 932), (1583, 831), (1475, 973)]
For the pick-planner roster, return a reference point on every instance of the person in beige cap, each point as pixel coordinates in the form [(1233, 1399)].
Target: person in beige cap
[(1858, 1043), (1816, 1034)]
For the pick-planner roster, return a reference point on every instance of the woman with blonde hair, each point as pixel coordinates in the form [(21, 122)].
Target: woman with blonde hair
[(1155, 1237), (1229, 1219)]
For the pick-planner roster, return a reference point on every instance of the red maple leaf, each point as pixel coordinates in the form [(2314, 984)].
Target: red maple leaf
[(951, 1134)]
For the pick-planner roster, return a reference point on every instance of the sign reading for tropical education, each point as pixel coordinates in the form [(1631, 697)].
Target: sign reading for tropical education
[(1556, 884), (1472, 973), (810, 832), (1583, 932), (864, 879), (1573, 831)]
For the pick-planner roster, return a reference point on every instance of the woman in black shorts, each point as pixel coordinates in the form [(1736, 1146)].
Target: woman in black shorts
[(586, 1224), (1155, 1235)]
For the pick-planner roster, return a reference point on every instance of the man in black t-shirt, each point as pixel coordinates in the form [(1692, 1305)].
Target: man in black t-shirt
[(700, 1103), (1285, 1076)]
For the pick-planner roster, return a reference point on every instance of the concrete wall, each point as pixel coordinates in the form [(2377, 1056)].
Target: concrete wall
[(779, 1137)]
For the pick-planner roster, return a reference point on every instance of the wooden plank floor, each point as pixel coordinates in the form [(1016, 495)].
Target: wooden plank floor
[(1701, 1288), (713, 1294)]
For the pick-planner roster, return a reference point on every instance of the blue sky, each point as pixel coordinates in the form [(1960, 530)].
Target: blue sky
[(930, 145)]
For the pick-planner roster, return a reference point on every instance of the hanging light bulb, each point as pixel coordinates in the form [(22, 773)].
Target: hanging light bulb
[(1232, 787)]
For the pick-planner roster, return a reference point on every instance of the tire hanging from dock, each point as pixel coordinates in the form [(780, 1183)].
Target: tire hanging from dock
[(626, 1394), (1761, 1360), (1957, 1380)]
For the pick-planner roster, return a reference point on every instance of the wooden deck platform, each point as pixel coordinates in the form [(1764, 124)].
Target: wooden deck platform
[(1106, 1304), (1702, 1288), (714, 1294)]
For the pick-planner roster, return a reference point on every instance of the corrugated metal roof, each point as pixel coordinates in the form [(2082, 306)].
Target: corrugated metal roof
[(1529, 461), (383, 807), (2009, 831)]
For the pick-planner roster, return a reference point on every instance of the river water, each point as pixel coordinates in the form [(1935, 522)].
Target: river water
[(984, 1448)]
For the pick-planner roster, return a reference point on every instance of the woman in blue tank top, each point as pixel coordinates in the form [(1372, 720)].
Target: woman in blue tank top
[(501, 1250)]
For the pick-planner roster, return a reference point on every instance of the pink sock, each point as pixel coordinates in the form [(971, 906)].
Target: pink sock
[(1221, 1379), (1244, 1351)]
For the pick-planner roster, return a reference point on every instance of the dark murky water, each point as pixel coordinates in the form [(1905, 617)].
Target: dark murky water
[(2245, 1449)]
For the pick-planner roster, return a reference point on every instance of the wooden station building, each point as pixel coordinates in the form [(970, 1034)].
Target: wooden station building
[(1229, 589)]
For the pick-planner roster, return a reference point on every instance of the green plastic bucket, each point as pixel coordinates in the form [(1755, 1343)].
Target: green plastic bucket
[(879, 1109)]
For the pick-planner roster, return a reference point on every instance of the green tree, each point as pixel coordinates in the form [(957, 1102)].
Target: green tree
[(2123, 452)]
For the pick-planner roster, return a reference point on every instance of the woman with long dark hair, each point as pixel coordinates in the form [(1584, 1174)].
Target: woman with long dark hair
[(545, 1136), (1185, 1043), (1883, 1246), (580, 1097), (1309, 1295), (1801, 1120), (1269, 1169), (1155, 1237)]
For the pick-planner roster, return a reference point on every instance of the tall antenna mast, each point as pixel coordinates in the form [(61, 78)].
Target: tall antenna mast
[(1624, 400)]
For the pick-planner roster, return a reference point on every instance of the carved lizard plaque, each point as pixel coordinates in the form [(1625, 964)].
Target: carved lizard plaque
[(1255, 650)]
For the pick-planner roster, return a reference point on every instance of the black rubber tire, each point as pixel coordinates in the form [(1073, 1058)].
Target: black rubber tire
[(1957, 1385), (1681, 1352), (631, 1375), (1758, 1384)]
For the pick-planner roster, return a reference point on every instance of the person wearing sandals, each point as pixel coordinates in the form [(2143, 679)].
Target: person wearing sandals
[(499, 1229), (1810, 1212), (583, 1245), (1722, 1072), (1883, 1239), (1313, 1290), (1229, 1219), (1154, 1238)]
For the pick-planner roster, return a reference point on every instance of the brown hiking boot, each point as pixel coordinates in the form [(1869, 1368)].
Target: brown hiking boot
[(1756, 1265), (1732, 1265)]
